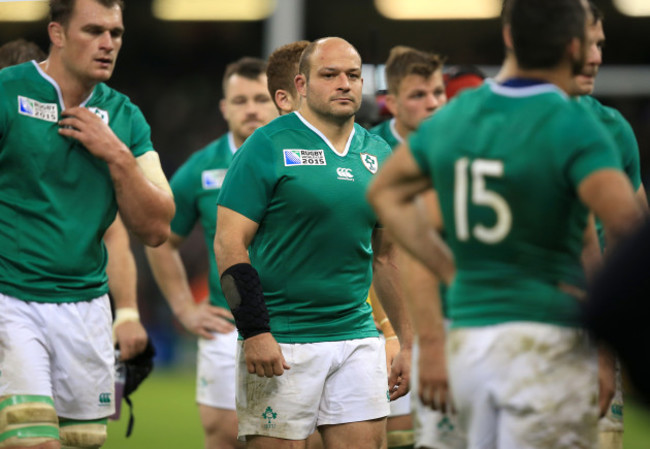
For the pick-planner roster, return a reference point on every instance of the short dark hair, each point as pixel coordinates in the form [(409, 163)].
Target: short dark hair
[(250, 68), (61, 10), (19, 51), (283, 67), (596, 12), (542, 30), (404, 61)]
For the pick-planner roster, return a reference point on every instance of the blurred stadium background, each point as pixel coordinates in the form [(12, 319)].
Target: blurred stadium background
[(172, 69)]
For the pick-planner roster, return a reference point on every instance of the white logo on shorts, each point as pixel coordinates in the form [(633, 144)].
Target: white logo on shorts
[(345, 174)]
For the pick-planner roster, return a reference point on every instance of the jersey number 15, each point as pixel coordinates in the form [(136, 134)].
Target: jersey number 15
[(480, 169)]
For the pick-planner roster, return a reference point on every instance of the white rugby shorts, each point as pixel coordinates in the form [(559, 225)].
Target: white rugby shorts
[(61, 350)]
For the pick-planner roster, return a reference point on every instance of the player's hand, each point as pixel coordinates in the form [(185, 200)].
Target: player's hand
[(606, 380), (400, 374), (90, 130), (433, 381), (132, 339), (392, 349), (203, 319), (263, 356)]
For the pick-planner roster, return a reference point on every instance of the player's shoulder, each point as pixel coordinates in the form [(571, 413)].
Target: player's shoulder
[(380, 129), (605, 113), (17, 72)]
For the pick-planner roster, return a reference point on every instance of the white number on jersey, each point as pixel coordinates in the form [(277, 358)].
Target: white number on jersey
[(480, 168)]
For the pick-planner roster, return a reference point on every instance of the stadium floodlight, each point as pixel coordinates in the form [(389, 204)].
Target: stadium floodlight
[(23, 10), (439, 9), (637, 8), (213, 10)]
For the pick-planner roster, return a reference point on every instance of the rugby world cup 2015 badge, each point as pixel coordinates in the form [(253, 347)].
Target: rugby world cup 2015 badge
[(370, 162), (36, 109), (304, 157), (213, 179)]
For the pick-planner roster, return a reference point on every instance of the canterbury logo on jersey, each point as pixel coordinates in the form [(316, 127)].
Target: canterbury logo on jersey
[(304, 157), (36, 109), (213, 179), (345, 174)]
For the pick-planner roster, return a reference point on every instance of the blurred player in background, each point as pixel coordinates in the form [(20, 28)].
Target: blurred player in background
[(280, 73), (415, 91), (246, 105), (58, 195), (520, 376)]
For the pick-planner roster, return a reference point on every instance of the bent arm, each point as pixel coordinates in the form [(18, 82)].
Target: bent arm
[(609, 194), (393, 195), (234, 235), (143, 195)]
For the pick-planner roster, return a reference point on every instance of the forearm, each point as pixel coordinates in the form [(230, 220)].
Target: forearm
[(422, 296), (146, 207), (121, 268), (386, 283), (170, 275)]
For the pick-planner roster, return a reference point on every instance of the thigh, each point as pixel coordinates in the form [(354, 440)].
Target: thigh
[(547, 397), (356, 389), (24, 352), (215, 372), (283, 406), (472, 376), (83, 360), (359, 435), (610, 426)]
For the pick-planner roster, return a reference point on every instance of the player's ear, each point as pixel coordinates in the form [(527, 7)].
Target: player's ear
[(222, 107), (391, 104), (507, 37), (283, 101), (301, 84), (57, 34)]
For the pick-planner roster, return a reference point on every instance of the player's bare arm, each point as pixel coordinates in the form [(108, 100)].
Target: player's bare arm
[(169, 272), (143, 195), (422, 294), (609, 194), (121, 270), (389, 292), (234, 235), (392, 194)]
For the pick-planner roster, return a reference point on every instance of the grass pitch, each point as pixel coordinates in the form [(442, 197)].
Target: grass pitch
[(166, 417)]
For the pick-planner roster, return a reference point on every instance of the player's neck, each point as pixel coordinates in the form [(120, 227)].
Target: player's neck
[(336, 131), (560, 76), (402, 130), (73, 90)]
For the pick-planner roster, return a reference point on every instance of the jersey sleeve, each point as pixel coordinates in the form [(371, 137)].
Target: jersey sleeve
[(590, 148), (140, 133), (251, 178), (630, 151), (184, 187)]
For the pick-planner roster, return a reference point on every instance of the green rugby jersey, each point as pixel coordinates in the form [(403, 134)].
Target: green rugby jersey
[(56, 199), (506, 162), (626, 144), (312, 249), (386, 130), (196, 186)]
